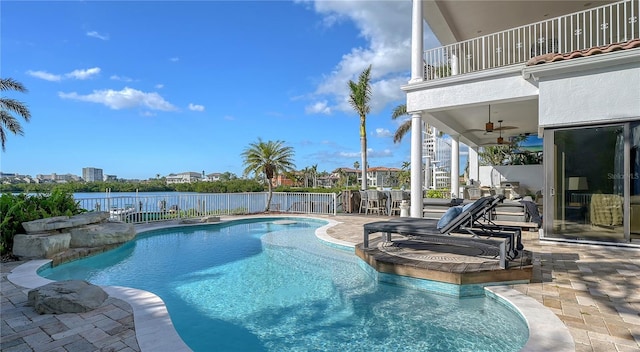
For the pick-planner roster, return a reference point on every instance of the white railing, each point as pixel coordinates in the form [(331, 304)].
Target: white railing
[(597, 27), (142, 209)]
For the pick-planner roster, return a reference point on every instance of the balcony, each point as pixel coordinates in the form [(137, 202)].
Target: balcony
[(597, 30)]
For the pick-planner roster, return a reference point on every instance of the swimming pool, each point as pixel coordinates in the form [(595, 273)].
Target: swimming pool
[(257, 285)]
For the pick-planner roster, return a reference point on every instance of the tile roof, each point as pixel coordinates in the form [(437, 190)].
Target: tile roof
[(553, 57)]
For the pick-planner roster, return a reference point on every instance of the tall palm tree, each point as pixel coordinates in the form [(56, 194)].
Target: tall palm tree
[(268, 158), (359, 97), (9, 106)]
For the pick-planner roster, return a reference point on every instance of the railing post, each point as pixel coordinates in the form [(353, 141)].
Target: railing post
[(335, 205)]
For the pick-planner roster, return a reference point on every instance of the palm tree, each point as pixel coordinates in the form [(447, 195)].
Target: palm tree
[(359, 97), (268, 158), (405, 127), (314, 174), (9, 106)]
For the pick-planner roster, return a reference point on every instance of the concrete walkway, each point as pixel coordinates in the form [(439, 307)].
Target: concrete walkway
[(593, 290)]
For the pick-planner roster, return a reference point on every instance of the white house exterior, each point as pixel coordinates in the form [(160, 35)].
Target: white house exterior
[(568, 71), (184, 177)]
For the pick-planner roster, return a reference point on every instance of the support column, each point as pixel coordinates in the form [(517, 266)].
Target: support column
[(474, 170), (416, 166), (417, 40), (455, 166)]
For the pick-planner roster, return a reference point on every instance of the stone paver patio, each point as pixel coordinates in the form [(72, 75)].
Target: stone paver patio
[(593, 290)]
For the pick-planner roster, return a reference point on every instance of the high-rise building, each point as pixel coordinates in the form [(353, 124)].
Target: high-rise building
[(91, 174), (437, 150)]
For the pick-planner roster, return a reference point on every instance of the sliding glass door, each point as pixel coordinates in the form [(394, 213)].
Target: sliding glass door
[(589, 175)]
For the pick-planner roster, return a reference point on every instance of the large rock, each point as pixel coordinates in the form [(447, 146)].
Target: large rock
[(64, 222), (75, 296), (92, 217), (40, 246), (97, 235), (47, 224)]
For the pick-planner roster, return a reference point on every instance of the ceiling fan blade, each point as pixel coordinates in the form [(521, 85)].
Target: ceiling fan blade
[(475, 130), (504, 128)]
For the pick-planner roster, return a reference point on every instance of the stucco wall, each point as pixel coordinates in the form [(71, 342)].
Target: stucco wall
[(530, 177), (596, 95)]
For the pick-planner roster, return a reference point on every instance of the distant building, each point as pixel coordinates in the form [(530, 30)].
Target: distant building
[(110, 178), (282, 180), (382, 176), (437, 153), (92, 174), (212, 177), (56, 178), (185, 177)]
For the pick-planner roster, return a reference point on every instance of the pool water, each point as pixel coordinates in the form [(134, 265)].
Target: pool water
[(263, 286)]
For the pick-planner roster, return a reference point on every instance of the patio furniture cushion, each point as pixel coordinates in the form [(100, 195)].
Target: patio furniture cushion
[(449, 215)]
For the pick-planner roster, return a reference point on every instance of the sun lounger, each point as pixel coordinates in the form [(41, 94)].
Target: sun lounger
[(468, 222)]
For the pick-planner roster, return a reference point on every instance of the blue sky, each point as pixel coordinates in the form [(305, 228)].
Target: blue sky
[(158, 87)]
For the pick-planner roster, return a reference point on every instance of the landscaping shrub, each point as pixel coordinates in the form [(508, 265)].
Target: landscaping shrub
[(18, 208)]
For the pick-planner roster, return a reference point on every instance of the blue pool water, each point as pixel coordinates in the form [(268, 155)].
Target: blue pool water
[(261, 286)]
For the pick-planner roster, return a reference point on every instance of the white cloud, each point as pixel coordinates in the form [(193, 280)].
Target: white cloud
[(95, 34), (320, 107), (83, 74), (126, 98), (229, 118), (383, 132), (174, 59), (159, 86), (386, 28), (121, 78), (45, 75), (75, 74), (349, 154), (379, 153), (196, 107)]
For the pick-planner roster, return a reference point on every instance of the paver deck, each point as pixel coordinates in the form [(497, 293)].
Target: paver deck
[(594, 290)]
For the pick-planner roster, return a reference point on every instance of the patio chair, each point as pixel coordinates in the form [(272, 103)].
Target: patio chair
[(376, 202), (466, 223), (363, 202), (397, 196)]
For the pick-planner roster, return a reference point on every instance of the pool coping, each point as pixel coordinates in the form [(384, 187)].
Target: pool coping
[(155, 330)]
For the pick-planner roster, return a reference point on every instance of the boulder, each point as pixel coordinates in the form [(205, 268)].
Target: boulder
[(98, 235), (40, 246), (47, 224), (92, 217), (74, 296)]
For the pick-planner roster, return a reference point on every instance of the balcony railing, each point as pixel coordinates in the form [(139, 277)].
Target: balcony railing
[(597, 27)]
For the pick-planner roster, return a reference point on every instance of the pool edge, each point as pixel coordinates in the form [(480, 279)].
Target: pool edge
[(155, 330)]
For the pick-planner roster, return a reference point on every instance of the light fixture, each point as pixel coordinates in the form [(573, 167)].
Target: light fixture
[(500, 139), (488, 127), (577, 184)]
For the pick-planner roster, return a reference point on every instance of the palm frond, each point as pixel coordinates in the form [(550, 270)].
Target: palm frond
[(402, 131)]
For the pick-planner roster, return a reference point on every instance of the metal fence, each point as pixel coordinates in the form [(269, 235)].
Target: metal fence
[(613, 23), (142, 209)]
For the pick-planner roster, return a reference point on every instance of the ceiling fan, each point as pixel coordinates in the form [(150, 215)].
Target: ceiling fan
[(489, 127), (499, 140)]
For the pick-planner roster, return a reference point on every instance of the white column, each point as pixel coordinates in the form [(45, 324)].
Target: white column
[(416, 166), (455, 165), (474, 170), (417, 40)]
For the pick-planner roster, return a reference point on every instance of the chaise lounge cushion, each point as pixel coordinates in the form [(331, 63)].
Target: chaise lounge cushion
[(448, 216)]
